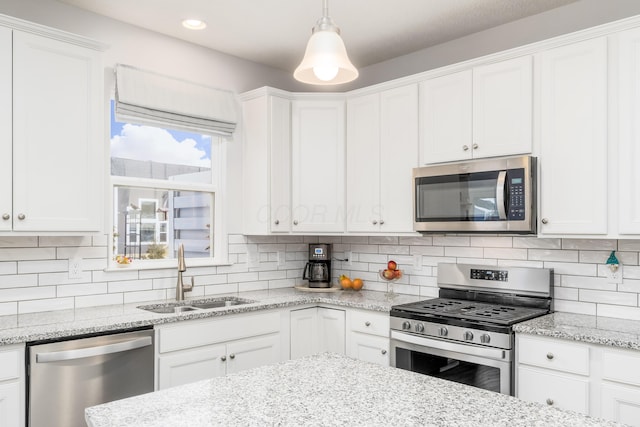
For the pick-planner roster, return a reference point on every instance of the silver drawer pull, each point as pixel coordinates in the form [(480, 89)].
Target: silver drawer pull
[(465, 147), (232, 356), (384, 351), (549, 401), (550, 356), (277, 222), (295, 222), (223, 358), (21, 217), (367, 323), (6, 217)]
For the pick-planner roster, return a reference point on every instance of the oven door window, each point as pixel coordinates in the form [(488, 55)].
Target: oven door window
[(473, 374), (461, 197)]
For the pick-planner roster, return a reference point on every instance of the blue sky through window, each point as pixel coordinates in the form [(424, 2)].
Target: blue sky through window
[(140, 142)]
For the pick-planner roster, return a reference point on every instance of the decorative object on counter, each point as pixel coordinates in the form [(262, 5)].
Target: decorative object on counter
[(318, 269), (325, 60), (355, 284), (123, 261), (612, 261), (390, 274)]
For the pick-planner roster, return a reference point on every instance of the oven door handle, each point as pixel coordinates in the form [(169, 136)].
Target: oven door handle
[(493, 353)]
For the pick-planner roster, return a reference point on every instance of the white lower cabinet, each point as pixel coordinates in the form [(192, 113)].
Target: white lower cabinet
[(12, 389), (317, 330), (201, 349), (368, 336), (592, 379)]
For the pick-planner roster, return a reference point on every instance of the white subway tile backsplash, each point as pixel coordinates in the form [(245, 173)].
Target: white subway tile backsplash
[(575, 307), (416, 241), (491, 242), (617, 311), (629, 285), (609, 297), (38, 305), (383, 240), (590, 244), (451, 241), (81, 289), (536, 243), (81, 252), (130, 286), (18, 242), (631, 272), (8, 308), (47, 241), (505, 253), (395, 249), (22, 294), (8, 267), (573, 268), (26, 267), (26, 254), (18, 281), (99, 300), (586, 282), (566, 293), (629, 245), (143, 296), (553, 255), (63, 278), (466, 252)]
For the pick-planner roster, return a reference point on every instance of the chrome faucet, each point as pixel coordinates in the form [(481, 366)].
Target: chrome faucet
[(181, 288)]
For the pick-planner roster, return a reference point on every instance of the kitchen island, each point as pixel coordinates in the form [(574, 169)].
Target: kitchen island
[(328, 389)]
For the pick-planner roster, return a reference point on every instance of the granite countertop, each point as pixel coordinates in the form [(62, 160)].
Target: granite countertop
[(68, 323), (329, 389), (589, 329)]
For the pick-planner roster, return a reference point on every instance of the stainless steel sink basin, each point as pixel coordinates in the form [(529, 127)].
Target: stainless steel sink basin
[(179, 307)]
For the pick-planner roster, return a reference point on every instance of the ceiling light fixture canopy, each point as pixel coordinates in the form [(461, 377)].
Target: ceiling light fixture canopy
[(325, 61)]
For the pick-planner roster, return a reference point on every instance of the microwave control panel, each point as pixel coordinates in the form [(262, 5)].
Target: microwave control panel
[(516, 191)]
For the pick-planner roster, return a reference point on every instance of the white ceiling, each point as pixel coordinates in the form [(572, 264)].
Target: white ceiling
[(275, 32)]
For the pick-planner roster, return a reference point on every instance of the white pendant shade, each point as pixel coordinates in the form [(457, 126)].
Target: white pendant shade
[(325, 60)]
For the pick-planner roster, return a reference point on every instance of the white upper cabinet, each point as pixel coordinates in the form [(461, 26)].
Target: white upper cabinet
[(445, 118), (483, 112), (58, 142), (382, 150), (318, 166), (6, 123), (628, 160), (573, 139), (267, 165)]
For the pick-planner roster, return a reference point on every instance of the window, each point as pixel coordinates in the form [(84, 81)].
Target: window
[(165, 193)]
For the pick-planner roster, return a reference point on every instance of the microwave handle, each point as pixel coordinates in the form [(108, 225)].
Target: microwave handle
[(500, 195)]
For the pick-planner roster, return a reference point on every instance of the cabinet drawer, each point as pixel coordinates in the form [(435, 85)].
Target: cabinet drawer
[(553, 389), (621, 366), (369, 322), (9, 365), (197, 333), (554, 354), (370, 348)]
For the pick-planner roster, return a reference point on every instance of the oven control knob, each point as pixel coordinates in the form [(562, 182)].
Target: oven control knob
[(485, 338), (443, 332), (406, 325), (468, 336), (419, 327)]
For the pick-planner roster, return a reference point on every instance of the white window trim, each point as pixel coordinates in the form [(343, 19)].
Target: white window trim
[(219, 239)]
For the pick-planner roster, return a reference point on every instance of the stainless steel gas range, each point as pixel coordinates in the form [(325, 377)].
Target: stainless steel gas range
[(466, 334)]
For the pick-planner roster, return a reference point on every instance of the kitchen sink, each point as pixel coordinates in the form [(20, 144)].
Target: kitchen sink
[(180, 307)]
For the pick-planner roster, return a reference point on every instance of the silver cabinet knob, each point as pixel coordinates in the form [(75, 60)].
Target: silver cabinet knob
[(549, 401), (383, 351), (6, 217), (443, 332), (367, 323), (468, 336), (381, 222), (465, 148), (232, 356), (21, 216), (276, 222), (545, 221), (475, 146), (295, 222), (550, 356), (374, 222), (223, 358)]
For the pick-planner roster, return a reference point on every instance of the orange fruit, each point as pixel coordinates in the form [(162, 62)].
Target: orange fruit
[(345, 282), (357, 284)]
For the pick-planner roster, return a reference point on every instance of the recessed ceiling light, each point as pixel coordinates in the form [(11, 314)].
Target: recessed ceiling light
[(194, 24)]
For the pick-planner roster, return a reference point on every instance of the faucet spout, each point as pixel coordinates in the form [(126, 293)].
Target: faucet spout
[(181, 288)]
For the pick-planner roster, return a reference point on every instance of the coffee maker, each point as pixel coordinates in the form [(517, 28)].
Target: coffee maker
[(318, 269)]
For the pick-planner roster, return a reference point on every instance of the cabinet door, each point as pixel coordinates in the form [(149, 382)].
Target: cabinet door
[(58, 137), (10, 413), (554, 389), (573, 133), (304, 331), (629, 132), (331, 330), (318, 162), (280, 164), (502, 108), (188, 366), (621, 404), (5, 129), (369, 348), (398, 157), (363, 163), (445, 118), (253, 352)]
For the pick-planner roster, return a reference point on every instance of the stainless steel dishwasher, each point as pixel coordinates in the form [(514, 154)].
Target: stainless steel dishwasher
[(65, 377)]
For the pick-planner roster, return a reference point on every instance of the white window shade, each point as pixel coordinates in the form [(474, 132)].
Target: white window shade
[(150, 98)]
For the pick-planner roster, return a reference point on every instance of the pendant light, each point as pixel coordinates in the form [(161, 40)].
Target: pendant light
[(325, 61)]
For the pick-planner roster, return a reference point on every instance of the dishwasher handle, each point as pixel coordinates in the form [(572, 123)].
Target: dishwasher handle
[(57, 356)]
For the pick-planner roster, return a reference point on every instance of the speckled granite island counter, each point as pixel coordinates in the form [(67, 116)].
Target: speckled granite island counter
[(589, 329), (69, 323), (328, 389)]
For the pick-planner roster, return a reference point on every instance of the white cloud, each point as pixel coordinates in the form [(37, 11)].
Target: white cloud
[(157, 145)]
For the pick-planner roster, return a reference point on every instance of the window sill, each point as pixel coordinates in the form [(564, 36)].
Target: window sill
[(165, 264)]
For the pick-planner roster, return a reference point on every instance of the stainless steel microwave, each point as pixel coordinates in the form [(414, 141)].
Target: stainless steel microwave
[(495, 195)]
